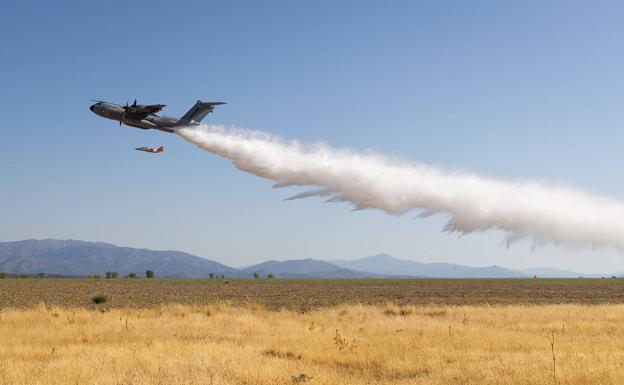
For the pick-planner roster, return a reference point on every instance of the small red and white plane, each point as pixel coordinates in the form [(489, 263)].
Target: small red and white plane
[(152, 150)]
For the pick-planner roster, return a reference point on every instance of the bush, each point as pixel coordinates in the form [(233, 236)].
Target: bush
[(132, 275), (211, 275), (99, 298), (41, 275), (3, 275), (256, 275), (149, 274), (270, 276), (111, 274)]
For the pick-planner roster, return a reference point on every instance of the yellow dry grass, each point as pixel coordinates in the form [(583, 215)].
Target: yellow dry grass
[(222, 344)]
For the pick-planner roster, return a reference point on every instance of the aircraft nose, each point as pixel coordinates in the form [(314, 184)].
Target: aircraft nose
[(92, 108)]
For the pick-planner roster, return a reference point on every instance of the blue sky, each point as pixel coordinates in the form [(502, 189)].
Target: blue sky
[(513, 90)]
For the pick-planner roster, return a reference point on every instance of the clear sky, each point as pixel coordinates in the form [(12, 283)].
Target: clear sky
[(526, 89)]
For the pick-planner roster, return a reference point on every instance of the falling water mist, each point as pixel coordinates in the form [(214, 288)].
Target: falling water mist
[(521, 208)]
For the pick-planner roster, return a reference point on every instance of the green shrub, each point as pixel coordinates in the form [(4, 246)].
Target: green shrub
[(3, 275), (256, 275), (132, 275), (149, 274), (211, 275), (111, 274), (99, 298), (270, 276), (41, 275)]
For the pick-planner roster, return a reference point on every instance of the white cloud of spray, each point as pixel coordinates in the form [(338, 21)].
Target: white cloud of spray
[(522, 208)]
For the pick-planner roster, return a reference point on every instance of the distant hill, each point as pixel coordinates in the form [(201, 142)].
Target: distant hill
[(305, 268), (388, 265), (78, 258)]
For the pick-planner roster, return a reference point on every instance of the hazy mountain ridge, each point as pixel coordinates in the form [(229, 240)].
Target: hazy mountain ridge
[(306, 268), (83, 258), (553, 272), (79, 258), (388, 265)]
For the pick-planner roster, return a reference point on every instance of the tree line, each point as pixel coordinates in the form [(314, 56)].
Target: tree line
[(114, 274)]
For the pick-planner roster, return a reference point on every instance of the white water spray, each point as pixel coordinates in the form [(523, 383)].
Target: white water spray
[(522, 208)]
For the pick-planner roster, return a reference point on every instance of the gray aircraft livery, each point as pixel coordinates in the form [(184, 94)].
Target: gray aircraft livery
[(145, 117)]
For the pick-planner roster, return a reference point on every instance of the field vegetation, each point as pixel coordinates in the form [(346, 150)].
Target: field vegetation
[(306, 294), (346, 344)]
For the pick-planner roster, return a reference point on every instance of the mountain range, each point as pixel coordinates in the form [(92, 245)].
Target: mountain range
[(79, 258)]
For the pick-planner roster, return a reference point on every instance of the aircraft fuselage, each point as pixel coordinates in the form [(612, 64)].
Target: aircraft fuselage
[(115, 112), (146, 117)]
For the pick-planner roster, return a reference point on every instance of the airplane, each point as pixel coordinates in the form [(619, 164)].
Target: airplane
[(152, 150), (145, 117)]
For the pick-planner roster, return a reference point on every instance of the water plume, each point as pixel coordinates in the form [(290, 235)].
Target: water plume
[(521, 208)]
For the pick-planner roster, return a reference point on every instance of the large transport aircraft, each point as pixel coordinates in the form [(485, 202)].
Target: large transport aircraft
[(146, 117)]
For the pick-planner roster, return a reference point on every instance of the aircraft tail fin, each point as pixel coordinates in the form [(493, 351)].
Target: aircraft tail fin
[(198, 112), (160, 149)]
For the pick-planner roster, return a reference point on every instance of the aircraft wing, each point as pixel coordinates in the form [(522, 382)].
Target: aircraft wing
[(144, 110)]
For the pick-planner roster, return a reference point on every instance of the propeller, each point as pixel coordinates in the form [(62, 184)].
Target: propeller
[(123, 117), (126, 108), (130, 106)]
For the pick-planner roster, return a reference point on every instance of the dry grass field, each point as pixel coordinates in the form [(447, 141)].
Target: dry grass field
[(304, 295), (371, 331), (347, 344)]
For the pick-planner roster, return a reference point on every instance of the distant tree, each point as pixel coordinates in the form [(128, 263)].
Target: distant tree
[(222, 276), (3, 275), (132, 275), (97, 276), (149, 273), (23, 276), (256, 275), (41, 275), (211, 275), (111, 274), (270, 276)]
